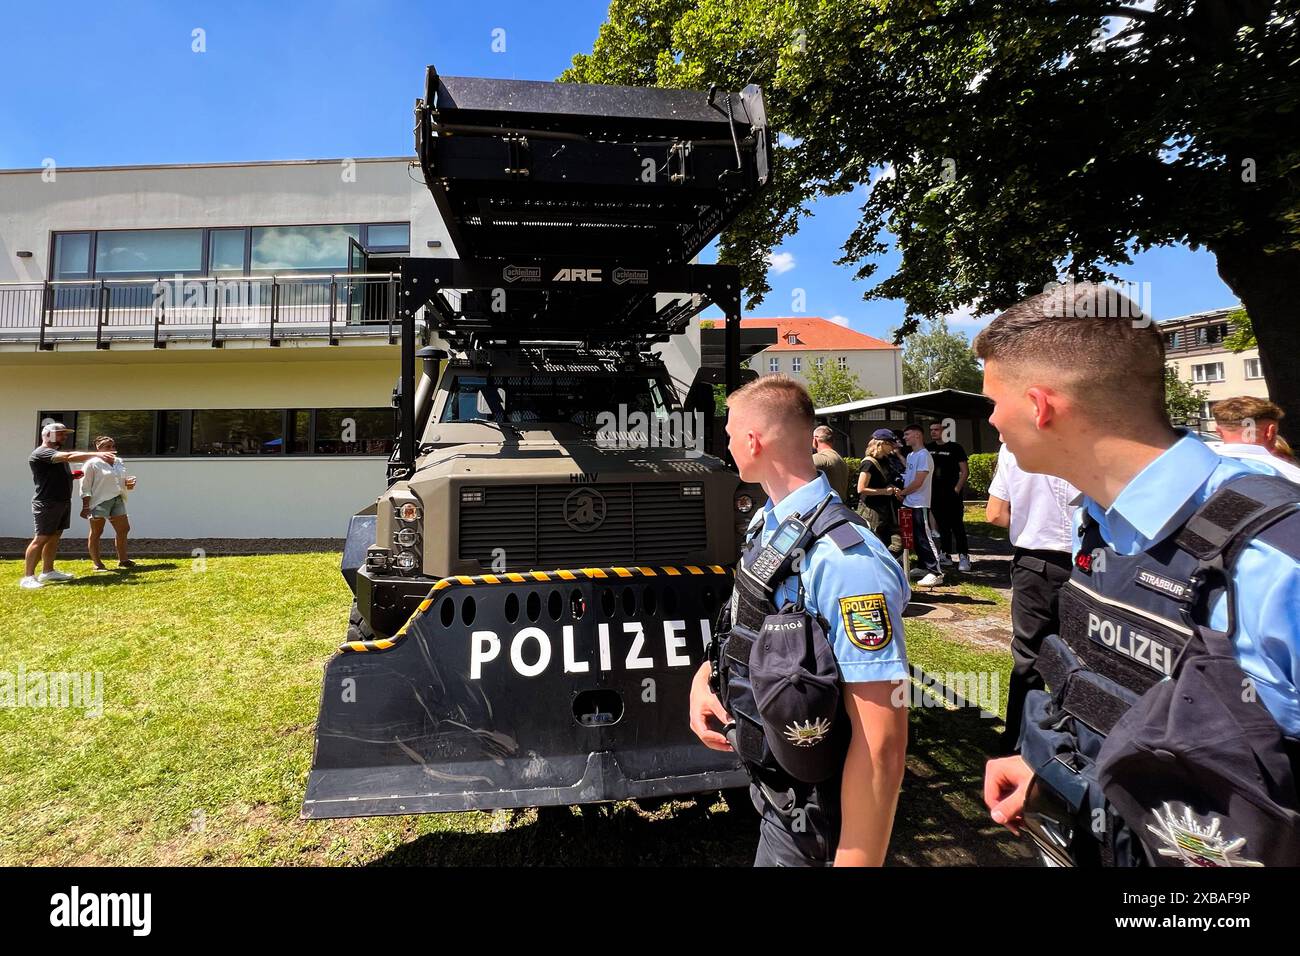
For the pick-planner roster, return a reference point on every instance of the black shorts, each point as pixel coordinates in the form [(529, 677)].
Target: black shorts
[(51, 517)]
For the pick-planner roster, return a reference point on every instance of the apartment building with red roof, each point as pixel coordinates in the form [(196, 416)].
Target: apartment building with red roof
[(809, 342)]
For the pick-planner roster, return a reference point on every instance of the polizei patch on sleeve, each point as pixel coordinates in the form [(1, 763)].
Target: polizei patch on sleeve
[(866, 621)]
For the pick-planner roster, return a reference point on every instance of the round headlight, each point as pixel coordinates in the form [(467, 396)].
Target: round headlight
[(405, 561), (406, 537), (409, 511), (744, 504)]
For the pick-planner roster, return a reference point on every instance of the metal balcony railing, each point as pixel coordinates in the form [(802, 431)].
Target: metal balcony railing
[(216, 308)]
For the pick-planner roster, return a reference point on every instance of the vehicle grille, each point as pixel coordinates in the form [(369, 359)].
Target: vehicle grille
[(645, 523)]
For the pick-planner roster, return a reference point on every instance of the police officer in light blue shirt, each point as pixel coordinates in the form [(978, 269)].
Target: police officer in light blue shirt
[(832, 574), (853, 586), (1077, 376), (1267, 581)]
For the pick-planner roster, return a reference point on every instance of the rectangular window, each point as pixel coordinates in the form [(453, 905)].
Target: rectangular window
[(1253, 369), (819, 363), (774, 365), (237, 431), (1205, 411), (388, 237), (796, 363), (169, 433), (326, 431), (842, 362), (301, 248), (1209, 372), (133, 431), (226, 249), (354, 431), (148, 252), (72, 256)]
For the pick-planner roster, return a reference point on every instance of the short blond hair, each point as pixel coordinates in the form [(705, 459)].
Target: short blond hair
[(1242, 411), (779, 397)]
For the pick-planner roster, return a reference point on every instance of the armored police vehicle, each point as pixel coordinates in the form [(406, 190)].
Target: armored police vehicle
[(536, 587)]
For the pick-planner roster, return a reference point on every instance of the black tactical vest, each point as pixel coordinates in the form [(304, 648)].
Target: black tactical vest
[(737, 631), (1128, 623)]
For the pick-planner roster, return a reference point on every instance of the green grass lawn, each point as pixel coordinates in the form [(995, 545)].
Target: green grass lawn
[(211, 678), (975, 523)]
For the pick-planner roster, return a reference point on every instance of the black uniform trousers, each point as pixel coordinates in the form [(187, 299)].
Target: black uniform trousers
[(1036, 579), (950, 515), (807, 837)]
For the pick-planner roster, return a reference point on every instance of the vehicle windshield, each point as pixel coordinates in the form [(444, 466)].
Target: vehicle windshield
[(554, 399)]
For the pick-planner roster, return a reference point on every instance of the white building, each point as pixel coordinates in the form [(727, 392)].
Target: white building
[(805, 344)]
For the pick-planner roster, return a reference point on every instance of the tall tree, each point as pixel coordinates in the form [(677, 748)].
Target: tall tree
[(834, 386), (936, 357), (1023, 140)]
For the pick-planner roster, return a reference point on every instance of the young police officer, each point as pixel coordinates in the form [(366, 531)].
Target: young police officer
[(1171, 705), (815, 711)]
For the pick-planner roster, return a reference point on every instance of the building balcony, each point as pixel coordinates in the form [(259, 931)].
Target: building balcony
[(197, 309)]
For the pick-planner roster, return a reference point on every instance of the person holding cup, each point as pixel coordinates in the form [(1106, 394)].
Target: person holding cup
[(104, 488)]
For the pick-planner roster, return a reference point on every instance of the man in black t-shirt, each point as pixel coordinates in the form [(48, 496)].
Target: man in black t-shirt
[(947, 494), (52, 503)]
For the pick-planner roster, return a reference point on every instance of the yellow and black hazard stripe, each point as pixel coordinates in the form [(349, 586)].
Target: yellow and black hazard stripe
[(526, 577)]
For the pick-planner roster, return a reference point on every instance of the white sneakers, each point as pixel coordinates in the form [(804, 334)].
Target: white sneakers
[(31, 583)]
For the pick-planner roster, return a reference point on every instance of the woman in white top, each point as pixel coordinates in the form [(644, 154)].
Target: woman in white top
[(103, 498)]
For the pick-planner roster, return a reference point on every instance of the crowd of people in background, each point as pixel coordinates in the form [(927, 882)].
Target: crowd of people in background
[(902, 470)]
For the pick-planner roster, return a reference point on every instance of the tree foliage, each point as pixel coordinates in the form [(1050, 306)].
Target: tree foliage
[(1241, 334), (834, 386), (1183, 400), (1022, 141), (936, 357)]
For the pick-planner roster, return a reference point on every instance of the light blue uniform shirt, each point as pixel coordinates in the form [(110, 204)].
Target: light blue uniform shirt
[(860, 592), (1156, 502)]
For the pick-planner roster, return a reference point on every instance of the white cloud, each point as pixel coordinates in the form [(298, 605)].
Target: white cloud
[(962, 315), (840, 320), (965, 315), (780, 262)]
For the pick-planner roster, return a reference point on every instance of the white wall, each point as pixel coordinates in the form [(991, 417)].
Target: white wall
[(879, 370), (235, 497), (262, 194)]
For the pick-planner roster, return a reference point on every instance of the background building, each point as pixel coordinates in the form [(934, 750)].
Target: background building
[(255, 403), (804, 344), (1194, 346)]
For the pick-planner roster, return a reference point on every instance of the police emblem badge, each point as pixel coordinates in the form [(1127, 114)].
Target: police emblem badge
[(1195, 843), (811, 731), (866, 621)]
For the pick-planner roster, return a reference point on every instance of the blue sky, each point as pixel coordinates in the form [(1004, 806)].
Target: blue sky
[(93, 84)]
